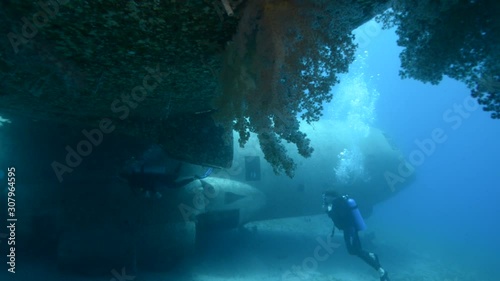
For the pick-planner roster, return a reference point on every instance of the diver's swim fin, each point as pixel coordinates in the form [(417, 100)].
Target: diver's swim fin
[(385, 276)]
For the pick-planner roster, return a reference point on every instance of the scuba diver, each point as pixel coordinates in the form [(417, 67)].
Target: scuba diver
[(147, 180), (346, 216)]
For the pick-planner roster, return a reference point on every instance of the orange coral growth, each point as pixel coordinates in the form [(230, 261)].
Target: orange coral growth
[(280, 68)]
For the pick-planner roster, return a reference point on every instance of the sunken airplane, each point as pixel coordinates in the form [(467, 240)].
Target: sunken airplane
[(110, 222), (163, 223)]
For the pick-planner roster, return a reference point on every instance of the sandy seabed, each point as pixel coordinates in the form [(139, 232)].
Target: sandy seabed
[(290, 250)]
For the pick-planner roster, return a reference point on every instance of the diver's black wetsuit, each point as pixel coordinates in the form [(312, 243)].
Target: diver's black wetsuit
[(343, 219)]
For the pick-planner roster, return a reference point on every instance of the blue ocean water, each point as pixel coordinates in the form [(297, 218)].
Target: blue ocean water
[(453, 204), (448, 215)]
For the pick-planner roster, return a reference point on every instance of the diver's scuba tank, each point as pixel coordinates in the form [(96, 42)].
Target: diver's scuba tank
[(359, 222)]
